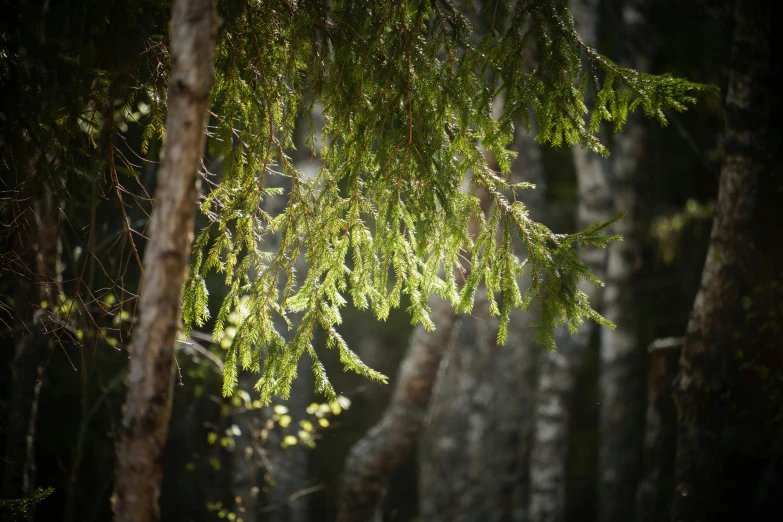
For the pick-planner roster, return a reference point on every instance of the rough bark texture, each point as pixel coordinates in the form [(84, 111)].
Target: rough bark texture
[(659, 429), (621, 414), (557, 373), (701, 381), (480, 423), (451, 455), (519, 371), (148, 404), (386, 445), (35, 261)]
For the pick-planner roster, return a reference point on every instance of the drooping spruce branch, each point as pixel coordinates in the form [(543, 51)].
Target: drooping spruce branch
[(407, 94)]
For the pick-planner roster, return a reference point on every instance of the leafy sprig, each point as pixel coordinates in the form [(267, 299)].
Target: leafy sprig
[(409, 98)]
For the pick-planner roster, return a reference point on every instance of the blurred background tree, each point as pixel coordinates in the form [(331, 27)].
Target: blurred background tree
[(83, 85)]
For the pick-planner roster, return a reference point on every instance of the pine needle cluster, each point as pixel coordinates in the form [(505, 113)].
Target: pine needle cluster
[(415, 97)]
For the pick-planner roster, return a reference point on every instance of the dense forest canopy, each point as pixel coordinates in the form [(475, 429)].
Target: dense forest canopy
[(355, 156)]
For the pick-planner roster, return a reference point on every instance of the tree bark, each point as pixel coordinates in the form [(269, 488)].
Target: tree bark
[(621, 414), (246, 478), (659, 429), (701, 381), (520, 373), (36, 260), (558, 370), (148, 404), (490, 386), (384, 448), (451, 446)]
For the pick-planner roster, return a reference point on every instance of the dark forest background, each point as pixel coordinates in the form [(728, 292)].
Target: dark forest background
[(290, 457)]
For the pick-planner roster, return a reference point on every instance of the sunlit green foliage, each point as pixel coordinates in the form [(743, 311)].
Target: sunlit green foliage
[(668, 231), (413, 102), (20, 508)]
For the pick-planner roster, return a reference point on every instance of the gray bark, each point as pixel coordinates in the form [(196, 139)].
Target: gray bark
[(453, 470), (148, 404), (288, 471), (479, 428), (520, 373), (373, 458), (701, 381), (621, 415), (557, 373)]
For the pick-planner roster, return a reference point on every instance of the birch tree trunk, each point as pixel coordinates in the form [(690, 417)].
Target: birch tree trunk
[(557, 372), (148, 405), (479, 427), (701, 381), (621, 416), (373, 458), (522, 369), (451, 456)]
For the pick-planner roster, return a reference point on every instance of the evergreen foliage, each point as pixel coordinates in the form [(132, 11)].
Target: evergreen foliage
[(415, 95), (20, 508), (413, 103)]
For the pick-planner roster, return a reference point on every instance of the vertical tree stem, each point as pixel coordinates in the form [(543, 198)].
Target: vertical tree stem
[(148, 404)]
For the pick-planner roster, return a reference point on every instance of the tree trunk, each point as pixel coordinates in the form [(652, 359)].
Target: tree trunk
[(713, 320), (520, 373), (621, 416), (373, 458), (246, 477), (36, 256), (148, 404), (490, 386), (558, 370), (454, 474), (659, 429)]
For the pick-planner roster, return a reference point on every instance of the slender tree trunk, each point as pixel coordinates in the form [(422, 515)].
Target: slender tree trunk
[(558, 370), (87, 368), (621, 414), (479, 428), (386, 445), (454, 473), (148, 404), (19, 469), (701, 380), (265, 477), (36, 258), (659, 429), (288, 472), (522, 375)]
